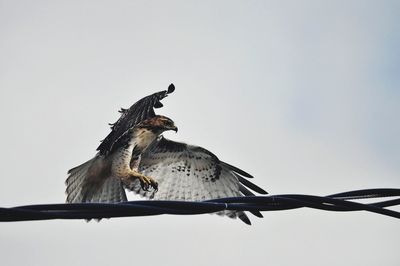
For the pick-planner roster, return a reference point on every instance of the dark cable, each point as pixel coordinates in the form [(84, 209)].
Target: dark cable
[(336, 202)]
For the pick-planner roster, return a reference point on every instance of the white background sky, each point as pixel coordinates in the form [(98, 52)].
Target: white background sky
[(302, 94)]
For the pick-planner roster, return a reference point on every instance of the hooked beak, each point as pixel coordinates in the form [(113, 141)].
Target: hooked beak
[(174, 128)]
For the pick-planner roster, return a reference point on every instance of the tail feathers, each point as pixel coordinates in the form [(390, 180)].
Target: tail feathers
[(100, 188)]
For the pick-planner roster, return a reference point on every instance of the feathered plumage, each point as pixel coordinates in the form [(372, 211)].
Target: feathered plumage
[(138, 112), (191, 173), (182, 171)]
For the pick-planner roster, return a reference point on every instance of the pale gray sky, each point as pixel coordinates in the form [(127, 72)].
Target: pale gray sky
[(302, 94)]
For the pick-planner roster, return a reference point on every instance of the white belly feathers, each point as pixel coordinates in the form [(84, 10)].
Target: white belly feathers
[(141, 139)]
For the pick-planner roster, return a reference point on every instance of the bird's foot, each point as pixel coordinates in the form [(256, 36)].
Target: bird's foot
[(146, 182)]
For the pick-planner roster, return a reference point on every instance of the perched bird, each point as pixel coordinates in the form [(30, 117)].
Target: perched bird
[(136, 156)]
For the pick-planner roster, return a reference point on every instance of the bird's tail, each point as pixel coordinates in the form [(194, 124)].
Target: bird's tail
[(89, 183)]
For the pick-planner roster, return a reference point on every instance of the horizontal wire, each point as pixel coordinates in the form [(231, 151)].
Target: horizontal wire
[(335, 202)]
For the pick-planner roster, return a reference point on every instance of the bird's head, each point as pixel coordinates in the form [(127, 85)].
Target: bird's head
[(159, 124)]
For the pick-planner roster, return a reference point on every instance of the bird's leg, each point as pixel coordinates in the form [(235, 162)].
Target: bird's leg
[(145, 181)]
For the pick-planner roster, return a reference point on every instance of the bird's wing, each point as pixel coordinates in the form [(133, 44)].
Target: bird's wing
[(141, 110), (192, 173)]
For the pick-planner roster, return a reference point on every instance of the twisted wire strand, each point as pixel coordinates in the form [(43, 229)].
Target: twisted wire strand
[(342, 202)]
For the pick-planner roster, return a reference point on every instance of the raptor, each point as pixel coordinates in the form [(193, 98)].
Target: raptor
[(135, 156)]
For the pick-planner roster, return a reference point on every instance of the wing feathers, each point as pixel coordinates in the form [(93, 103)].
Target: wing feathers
[(242, 216), (141, 110), (251, 185), (186, 172), (237, 170)]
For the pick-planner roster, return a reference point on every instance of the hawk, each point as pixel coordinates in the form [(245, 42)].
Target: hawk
[(137, 157)]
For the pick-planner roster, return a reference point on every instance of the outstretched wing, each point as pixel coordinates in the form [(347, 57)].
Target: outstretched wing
[(141, 110), (192, 173)]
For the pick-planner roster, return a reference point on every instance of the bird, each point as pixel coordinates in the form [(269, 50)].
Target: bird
[(137, 157)]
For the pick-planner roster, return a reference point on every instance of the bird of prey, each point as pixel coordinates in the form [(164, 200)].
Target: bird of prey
[(137, 157)]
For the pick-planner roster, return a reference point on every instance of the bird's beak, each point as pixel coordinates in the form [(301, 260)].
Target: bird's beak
[(174, 128)]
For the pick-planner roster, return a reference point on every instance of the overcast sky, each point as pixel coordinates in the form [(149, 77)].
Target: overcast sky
[(302, 94)]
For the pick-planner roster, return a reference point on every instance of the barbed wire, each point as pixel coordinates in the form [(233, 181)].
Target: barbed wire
[(341, 202)]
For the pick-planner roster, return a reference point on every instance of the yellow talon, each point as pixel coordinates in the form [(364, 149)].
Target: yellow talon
[(146, 182)]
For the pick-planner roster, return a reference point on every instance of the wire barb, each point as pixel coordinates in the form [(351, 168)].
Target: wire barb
[(336, 202)]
